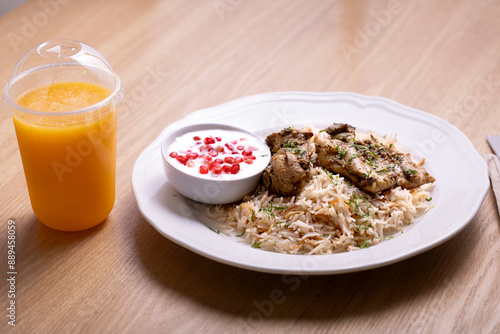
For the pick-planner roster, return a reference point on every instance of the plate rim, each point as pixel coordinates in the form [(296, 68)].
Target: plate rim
[(253, 100)]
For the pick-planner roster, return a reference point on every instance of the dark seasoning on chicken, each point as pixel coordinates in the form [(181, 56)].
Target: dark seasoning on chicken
[(289, 169), (367, 163)]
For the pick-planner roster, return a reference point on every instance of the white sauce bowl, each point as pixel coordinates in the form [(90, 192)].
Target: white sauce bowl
[(213, 188)]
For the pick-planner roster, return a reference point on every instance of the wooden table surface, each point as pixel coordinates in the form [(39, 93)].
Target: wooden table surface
[(124, 277)]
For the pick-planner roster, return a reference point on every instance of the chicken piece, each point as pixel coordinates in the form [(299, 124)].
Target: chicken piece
[(288, 138), (286, 174), (367, 163), (340, 128), (289, 169)]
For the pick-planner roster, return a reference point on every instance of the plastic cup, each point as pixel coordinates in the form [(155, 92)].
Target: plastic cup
[(63, 97)]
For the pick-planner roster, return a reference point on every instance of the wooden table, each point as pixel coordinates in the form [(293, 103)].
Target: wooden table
[(124, 277)]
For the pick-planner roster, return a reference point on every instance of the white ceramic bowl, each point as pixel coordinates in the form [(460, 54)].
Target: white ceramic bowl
[(209, 188)]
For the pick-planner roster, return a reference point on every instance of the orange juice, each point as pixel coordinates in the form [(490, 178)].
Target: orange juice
[(69, 158)]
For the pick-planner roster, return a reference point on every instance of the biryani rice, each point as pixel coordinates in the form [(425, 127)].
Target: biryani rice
[(330, 215)]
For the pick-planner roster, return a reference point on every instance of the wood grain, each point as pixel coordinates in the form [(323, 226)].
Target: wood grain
[(124, 277)]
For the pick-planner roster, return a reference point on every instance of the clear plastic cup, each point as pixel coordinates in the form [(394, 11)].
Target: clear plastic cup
[(63, 97)]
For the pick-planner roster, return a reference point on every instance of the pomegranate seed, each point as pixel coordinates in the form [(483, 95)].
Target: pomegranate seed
[(240, 147), (220, 149), (251, 157), (229, 160), (217, 169), (229, 147), (234, 152), (248, 161), (253, 148), (190, 163), (213, 165), (235, 168), (196, 138), (173, 155), (209, 140), (213, 153), (219, 161), (182, 159), (246, 152), (218, 138), (192, 156), (234, 142), (226, 169), (238, 160), (203, 169), (207, 158)]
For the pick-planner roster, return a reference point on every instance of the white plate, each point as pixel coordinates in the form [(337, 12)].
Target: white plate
[(461, 173)]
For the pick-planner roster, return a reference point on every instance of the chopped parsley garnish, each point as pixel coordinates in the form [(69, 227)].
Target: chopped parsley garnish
[(357, 146), (342, 153), (363, 227), (244, 230), (299, 150), (386, 169), (267, 210), (353, 156), (371, 163), (252, 218), (256, 244), (289, 129), (216, 231), (330, 175), (365, 244), (292, 144), (354, 202), (428, 199), (270, 207), (411, 171)]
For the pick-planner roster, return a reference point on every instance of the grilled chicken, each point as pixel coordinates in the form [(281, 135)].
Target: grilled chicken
[(367, 163), (288, 138), (289, 169), (286, 174)]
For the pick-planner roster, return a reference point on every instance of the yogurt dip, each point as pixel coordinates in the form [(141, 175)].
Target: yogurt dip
[(218, 153)]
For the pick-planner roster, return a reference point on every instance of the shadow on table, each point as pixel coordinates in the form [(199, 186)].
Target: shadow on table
[(254, 297), (47, 243)]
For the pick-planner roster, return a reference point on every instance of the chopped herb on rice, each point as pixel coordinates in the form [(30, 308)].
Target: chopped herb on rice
[(330, 215)]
